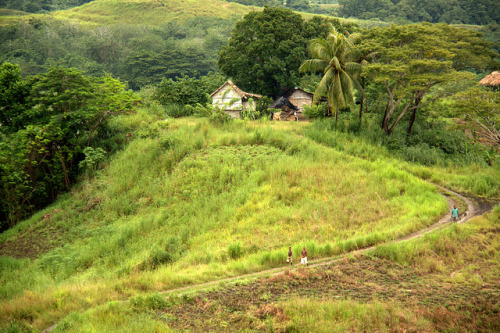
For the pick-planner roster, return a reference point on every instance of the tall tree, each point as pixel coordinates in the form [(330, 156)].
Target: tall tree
[(480, 111), (333, 57), (266, 49), (13, 93), (39, 153), (414, 60)]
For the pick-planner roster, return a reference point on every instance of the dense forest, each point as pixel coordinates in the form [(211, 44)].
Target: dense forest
[(479, 12), (140, 55)]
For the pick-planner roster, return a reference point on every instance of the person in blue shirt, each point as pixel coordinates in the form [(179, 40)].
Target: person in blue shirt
[(454, 213)]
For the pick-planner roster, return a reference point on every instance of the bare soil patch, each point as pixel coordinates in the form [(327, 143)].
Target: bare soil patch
[(465, 306)]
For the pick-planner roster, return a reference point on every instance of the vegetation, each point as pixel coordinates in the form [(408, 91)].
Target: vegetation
[(442, 11), (266, 49), (47, 121), (40, 6), (479, 108), (177, 184), (106, 200), (419, 63), (137, 54), (187, 90), (332, 57)]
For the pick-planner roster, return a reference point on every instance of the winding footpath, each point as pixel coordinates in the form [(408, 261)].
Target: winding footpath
[(472, 210)]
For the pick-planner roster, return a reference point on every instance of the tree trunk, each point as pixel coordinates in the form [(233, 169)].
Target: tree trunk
[(412, 121), (67, 182), (398, 119), (418, 99), (362, 99), (385, 115)]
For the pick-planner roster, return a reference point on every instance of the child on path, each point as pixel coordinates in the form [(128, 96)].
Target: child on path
[(289, 259), (303, 260), (454, 213)]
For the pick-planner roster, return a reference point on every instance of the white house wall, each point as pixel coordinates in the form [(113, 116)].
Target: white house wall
[(299, 99), (222, 99)]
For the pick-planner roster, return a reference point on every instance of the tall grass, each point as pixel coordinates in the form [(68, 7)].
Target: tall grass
[(154, 13), (310, 315), (452, 249), (187, 202), (459, 171)]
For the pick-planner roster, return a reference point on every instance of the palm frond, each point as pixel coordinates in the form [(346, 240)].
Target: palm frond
[(313, 66), (353, 68)]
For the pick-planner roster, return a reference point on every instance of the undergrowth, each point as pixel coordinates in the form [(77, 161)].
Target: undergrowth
[(188, 201)]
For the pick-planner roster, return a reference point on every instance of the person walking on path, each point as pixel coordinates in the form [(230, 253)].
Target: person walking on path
[(454, 214), (303, 260), (289, 259)]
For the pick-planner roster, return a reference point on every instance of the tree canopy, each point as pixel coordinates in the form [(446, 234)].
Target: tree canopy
[(434, 11), (266, 49), (45, 124), (332, 57), (412, 61)]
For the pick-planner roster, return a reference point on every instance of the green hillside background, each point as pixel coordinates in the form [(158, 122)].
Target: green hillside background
[(191, 200)]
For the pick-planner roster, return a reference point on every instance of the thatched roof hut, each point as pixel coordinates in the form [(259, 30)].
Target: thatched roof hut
[(491, 80)]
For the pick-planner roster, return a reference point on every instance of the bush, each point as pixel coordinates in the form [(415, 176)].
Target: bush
[(153, 302), (316, 111), (92, 158), (219, 117)]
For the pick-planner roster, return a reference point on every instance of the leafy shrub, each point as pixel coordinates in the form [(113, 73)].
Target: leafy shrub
[(422, 154), (219, 117), (315, 111), (92, 158), (158, 257), (187, 90), (162, 255), (262, 105)]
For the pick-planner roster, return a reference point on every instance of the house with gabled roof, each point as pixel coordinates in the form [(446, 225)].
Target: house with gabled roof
[(232, 99), (292, 103)]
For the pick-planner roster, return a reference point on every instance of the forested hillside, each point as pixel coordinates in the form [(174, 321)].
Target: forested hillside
[(40, 6), (140, 43), (479, 12)]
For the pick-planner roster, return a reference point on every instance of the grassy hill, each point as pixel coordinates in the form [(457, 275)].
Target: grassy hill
[(138, 12), (187, 202), (150, 12)]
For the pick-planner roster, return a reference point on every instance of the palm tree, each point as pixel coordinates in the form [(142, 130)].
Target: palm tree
[(333, 56)]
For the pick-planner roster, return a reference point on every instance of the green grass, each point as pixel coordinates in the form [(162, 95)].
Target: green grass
[(306, 315), (147, 12), (187, 202), (452, 250), (473, 179), (9, 16)]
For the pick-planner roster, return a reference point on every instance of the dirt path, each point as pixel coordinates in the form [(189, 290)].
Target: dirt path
[(472, 210)]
